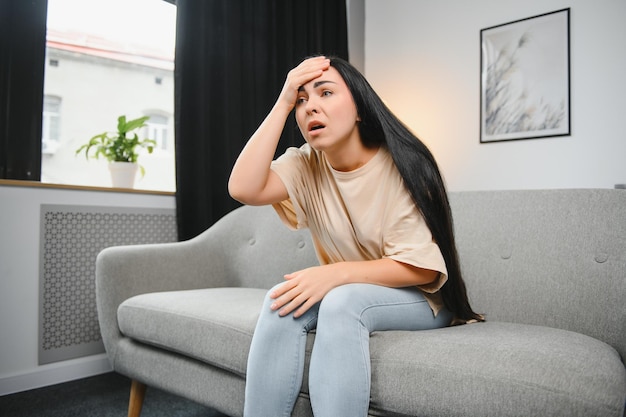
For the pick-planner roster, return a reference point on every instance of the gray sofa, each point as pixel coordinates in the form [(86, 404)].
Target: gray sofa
[(546, 267)]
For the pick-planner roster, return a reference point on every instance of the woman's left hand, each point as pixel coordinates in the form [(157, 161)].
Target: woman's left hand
[(303, 289)]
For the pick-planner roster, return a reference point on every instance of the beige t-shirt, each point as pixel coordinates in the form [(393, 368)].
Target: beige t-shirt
[(359, 215)]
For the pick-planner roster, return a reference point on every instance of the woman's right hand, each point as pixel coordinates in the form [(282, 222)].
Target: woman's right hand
[(252, 181), (307, 70)]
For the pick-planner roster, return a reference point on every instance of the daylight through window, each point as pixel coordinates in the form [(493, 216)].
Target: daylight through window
[(106, 59)]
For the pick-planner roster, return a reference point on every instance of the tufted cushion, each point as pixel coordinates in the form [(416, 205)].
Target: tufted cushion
[(257, 249), (554, 258)]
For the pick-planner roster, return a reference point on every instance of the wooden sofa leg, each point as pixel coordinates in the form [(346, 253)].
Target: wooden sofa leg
[(137, 393)]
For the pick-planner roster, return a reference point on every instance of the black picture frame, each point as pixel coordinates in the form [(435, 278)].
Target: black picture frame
[(525, 78)]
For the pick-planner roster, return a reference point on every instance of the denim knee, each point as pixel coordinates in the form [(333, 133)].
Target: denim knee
[(271, 321), (339, 303)]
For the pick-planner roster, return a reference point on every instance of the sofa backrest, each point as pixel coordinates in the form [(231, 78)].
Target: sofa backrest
[(549, 257), (257, 249)]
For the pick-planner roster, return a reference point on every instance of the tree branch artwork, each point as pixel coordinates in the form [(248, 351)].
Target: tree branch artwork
[(524, 92)]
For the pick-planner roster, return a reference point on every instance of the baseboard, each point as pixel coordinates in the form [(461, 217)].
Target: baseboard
[(55, 373)]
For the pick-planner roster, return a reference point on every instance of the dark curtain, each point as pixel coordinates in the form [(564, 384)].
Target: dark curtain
[(22, 56), (232, 57)]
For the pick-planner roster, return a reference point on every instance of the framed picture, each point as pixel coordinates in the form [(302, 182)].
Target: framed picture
[(525, 78)]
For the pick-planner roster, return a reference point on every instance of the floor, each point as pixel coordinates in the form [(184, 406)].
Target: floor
[(103, 395)]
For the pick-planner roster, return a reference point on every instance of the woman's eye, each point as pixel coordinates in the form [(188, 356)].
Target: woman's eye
[(327, 93), (300, 100)]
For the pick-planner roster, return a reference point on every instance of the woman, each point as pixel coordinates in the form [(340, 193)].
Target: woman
[(372, 196)]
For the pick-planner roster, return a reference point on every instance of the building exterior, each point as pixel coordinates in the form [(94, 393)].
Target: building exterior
[(89, 82)]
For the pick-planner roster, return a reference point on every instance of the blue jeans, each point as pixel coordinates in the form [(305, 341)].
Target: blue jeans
[(339, 369)]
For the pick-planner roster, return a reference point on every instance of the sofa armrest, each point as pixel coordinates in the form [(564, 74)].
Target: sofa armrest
[(125, 271)]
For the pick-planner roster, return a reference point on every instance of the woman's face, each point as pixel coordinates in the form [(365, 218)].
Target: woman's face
[(326, 113)]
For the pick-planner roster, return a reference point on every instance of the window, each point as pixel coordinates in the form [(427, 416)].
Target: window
[(157, 129), (104, 59), (50, 126)]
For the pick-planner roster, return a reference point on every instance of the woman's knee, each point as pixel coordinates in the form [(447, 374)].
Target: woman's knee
[(341, 302), (268, 299), (266, 314), (274, 323)]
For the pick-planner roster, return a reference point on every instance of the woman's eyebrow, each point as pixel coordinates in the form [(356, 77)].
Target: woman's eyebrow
[(317, 84)]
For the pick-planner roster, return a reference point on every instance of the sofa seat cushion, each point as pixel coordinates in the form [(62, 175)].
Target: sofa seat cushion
[(212, 325), (496, 369), (484, 369)]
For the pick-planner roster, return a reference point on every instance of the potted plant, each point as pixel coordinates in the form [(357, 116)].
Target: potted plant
[(121, 150)]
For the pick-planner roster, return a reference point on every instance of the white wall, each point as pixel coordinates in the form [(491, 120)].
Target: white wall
[(19, 282), (423, 58), (356, 33)]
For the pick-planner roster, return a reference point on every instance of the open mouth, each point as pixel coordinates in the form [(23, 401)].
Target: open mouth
[(316, 126)]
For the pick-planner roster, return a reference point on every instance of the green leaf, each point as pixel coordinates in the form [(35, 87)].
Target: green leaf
[(136, 123), (121, 124)]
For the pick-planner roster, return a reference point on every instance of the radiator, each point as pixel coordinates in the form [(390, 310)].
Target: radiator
[(71, 238)]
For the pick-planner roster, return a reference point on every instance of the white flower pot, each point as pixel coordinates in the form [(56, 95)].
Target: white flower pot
[(123, 174)]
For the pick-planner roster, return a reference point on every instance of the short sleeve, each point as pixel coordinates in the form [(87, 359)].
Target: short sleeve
[(292, 168), (408, 239)]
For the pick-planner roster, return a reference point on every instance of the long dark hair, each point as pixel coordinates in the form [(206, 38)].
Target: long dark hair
[(418, 168)]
